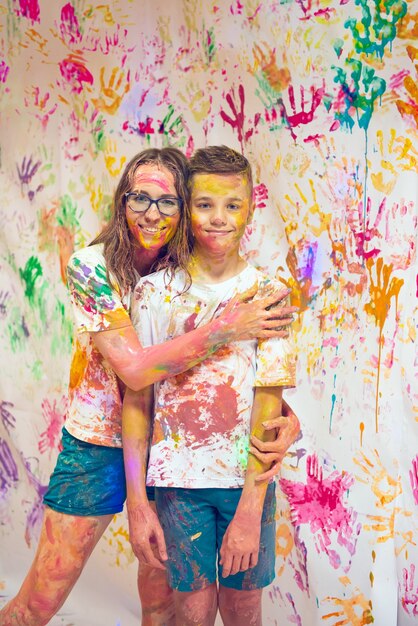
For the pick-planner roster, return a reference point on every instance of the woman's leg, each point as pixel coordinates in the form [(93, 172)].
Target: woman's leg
[(65, 545), (197, 608), (238, 607)]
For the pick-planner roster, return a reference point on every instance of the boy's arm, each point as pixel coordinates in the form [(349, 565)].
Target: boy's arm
[(143, 521), (241, 542)]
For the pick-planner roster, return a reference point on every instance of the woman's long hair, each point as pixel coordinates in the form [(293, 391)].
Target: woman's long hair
[(119, 245)]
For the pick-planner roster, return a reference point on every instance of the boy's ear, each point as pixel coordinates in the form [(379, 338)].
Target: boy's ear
[(251, 213)]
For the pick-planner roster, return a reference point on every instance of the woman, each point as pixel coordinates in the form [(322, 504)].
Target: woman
[(148, 227)]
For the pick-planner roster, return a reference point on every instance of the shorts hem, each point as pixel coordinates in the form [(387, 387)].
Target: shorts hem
[(77, 513), (246, 586)]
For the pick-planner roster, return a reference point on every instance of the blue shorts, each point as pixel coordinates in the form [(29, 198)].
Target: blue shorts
[(194, 523), (88, 479)]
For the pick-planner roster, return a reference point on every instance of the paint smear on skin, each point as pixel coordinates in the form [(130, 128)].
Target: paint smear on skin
[(319, 503), (163, 179)]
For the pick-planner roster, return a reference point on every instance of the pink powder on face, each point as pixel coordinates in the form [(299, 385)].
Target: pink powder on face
[(157, 178)]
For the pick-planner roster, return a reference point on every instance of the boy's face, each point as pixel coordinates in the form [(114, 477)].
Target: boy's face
[(221, 208)]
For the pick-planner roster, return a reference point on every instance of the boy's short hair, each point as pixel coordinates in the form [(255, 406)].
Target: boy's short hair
[(220, 160)]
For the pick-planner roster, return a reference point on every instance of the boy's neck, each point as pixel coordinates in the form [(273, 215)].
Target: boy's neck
[(207, 268)]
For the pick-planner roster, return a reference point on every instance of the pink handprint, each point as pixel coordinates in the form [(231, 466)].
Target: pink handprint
[(410, 592), (303, 116), (413, 475)]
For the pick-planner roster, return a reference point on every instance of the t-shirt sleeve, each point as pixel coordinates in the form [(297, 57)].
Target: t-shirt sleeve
[(141, 312), (97, 304), (276, 358)]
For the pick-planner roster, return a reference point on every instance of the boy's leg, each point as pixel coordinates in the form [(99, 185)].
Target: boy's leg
[(238, 607), (65, 545), (157, 600), (188, 519), (240, 594), (197, 608)]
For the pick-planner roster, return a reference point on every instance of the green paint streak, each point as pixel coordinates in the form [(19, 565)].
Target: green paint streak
[(62, 336), (98, 134), (17, 330), (209, 45), (35, 287), (37, 370), (67, 215)]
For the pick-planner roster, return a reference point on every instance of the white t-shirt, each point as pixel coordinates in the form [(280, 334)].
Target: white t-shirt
[(202, 417), (95, 404)]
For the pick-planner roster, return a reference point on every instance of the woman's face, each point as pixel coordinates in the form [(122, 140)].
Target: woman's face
[(150, 229)]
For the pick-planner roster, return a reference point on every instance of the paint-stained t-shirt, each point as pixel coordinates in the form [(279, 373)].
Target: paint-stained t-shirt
[(202, 417), (95, 403)]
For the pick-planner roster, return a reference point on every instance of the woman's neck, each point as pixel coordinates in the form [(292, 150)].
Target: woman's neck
[(144, 260)]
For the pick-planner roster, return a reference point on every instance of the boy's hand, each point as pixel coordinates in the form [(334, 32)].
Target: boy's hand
[(288, 430), (241, 544), (247, 318), (145, 532)]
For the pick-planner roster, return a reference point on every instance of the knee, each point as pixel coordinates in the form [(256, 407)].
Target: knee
[(17, 613), (240, 606), (153, 589), (196, 608)]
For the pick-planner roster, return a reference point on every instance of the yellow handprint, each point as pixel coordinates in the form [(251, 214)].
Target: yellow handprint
[(110, 158), (385, 487), (395, 153), (197, 100)]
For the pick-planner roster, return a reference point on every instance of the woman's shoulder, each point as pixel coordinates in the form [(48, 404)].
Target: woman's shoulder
[(90, 255)]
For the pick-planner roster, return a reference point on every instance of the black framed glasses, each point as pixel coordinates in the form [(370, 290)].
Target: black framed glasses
[(140, 203)]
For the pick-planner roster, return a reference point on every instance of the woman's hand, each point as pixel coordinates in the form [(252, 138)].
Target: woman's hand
[(288, 429), (247, 318), (146, 535)]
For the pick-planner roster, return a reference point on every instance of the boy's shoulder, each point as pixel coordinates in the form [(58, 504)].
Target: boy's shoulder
[(264, 280)]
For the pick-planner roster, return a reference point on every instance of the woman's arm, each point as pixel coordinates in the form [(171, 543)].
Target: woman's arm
[(241, 319), (272, 453), (144, 526)]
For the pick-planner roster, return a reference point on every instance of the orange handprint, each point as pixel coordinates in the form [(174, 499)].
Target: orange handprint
[(110, 99), (354, 611), (278, 79), (410, 107)]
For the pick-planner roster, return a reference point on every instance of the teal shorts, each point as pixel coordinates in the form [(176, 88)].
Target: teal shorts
[(88, 480), (194, 523)]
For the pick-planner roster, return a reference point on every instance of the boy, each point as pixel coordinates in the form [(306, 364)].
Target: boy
[(209, 503)]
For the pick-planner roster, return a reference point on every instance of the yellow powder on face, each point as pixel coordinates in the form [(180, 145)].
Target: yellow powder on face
[(221, 185)]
